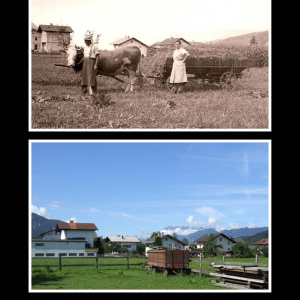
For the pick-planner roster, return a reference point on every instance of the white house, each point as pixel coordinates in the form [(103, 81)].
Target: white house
[(72, 231), (130, 41), (220, 239), (168, 242), (128, 242), (53, 248)]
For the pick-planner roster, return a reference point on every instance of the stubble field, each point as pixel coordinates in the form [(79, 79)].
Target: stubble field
[(56, 102)]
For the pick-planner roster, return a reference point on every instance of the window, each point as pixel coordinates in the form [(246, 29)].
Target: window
[(39, 254), (81, 254), (90, 254), (228, 243), (36, 39), (39, 244), (62, 254), (166, 239), (50, 254), (72, 254), (220, 239)]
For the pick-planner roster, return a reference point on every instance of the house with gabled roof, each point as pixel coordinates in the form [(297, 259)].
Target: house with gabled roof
[(130, 41), (220, 239), (128, 242), (169, 42), (50, 35), (168, 242), (72, 231), (66, 239)]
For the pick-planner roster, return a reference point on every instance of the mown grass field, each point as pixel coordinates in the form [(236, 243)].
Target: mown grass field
[(118, 277), (56, 103)]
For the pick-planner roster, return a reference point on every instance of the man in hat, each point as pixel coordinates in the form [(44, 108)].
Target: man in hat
[(88, 75)]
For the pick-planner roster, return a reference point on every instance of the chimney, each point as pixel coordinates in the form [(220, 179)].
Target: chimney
[(122, 237), (51, 24), (71, 221)]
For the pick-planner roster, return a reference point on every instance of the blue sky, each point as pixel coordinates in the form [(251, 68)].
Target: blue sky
[(135, 188)]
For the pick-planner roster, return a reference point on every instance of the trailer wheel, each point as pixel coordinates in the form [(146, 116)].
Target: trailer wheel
[(227, 81), (165, 272)]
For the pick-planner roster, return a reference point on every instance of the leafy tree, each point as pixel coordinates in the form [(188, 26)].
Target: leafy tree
[(210, 247), (99, 243), (265, 251), (140, 248), (114, 247), (242, 250), (157, 241), (175, 235), (193, 247), (157, 233), (63, 39), (185, 241)]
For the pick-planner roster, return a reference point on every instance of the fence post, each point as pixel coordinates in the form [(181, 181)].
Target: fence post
[(59, 262), (96, 260), (223, 258), (256, 258), (200, 265), (127, 261)]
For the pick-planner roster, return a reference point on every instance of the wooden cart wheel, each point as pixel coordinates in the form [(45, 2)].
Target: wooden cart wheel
[(165, 272), (169, 85), (227, 81), (153, 270)]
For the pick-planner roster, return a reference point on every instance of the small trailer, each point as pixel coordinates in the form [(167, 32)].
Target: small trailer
[(169, 261)]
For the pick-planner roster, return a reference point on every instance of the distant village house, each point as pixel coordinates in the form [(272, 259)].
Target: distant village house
[(51, 35), (130, 41), (169, 42), (128, 242), (168, 242)]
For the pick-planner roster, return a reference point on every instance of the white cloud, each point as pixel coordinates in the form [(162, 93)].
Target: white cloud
[(42, 211), (215, 218)]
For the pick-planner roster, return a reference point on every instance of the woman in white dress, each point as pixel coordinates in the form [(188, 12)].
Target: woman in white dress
[(178, 76)]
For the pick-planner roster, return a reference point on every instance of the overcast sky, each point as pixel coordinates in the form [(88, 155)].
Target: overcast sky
[(136, 188), (152, 21)]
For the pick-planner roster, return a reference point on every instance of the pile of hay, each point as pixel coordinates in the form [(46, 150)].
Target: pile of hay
[(154, 63)]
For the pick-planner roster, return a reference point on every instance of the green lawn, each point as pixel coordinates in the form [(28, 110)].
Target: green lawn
[(117, 277)]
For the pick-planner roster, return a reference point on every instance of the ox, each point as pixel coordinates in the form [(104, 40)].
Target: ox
[(110, 63)]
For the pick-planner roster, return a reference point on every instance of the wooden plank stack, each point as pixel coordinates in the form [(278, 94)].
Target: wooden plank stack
[(248, 275)]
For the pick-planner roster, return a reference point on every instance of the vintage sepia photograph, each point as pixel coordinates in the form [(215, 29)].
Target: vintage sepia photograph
[(149, 65)]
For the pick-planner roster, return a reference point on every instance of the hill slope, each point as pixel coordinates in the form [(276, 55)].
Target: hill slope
[(262, 38), (40, 224)]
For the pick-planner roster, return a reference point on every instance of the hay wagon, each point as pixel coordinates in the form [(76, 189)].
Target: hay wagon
[(169, 261), (223, 72)]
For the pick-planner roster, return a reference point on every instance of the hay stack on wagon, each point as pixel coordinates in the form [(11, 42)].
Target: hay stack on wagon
[(154, 63)]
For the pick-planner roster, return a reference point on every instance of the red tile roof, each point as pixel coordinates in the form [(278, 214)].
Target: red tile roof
[(260, 242), (75, 226)]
